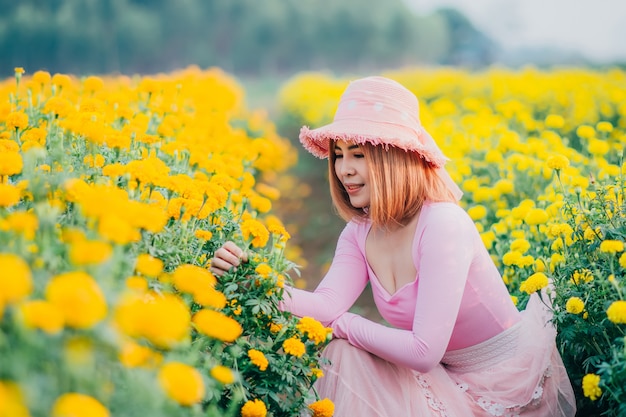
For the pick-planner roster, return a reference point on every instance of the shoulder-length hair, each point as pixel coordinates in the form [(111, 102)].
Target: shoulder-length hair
[(400, 183)]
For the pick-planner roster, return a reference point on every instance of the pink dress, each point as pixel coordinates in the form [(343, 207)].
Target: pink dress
[(456, 344)]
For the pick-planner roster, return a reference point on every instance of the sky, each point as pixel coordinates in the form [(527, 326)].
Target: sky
[(593, 28)]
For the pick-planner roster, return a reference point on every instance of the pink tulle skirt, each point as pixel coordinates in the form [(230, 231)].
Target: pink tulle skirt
[(517, 373)]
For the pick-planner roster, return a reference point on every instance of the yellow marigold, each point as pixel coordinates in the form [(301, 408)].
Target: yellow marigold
[(217, 325), (17, 120), (148, 265), (137, 283), (477, 212), (9, 195), (554, 121), (591, 386), (536, 216), (520, 245), (133, 355), (557, 162), (62, 80), (58, 106), (612, 246), (514, 299), (209, 297), (263, 270), (163, 319), (117, 230), (258, 358), (16, 281), (42, 77), (534, 283), (617, 312), (79, 298), (598, 147), (314, 330), (294, 346), (586, 131), (203, 234), (575, 305), (182, 383), (11, 163), (74, 404), (511, 258), (43, 315), (275, 327), (223, 374), (255, 230), (89, 252), (606, 127), (323, 408), (23, 222), (317, 373), (254, 408), (12, 402), (191, 278), (93, 83), (622, 260)]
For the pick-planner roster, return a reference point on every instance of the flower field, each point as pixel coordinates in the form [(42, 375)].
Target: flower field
[(115, 192)]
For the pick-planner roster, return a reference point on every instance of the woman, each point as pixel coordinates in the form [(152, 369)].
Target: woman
[(457, 345)]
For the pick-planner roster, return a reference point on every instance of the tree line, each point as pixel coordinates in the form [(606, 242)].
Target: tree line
[(242, 36)]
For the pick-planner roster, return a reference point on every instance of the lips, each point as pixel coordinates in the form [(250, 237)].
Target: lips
[(352, 188)]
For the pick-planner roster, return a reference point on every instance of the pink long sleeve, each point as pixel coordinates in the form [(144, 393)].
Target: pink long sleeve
[(336, 293)]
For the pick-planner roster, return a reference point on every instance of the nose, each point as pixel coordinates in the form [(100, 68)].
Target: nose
[(346, 167)]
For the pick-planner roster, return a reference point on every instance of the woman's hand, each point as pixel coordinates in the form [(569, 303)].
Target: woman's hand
[(227, 257)]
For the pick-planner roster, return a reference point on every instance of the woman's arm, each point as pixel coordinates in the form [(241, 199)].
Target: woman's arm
[(336, 293)]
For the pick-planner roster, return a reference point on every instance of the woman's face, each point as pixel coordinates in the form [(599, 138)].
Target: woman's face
[(351, 169)]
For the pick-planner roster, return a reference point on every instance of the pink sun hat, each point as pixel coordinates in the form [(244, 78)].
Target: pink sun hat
[(380, 111)]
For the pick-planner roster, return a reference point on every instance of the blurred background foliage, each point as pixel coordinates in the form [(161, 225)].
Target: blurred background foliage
[(243, 37)]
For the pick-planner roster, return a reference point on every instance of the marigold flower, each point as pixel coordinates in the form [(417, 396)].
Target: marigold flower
[(11, 400), (536, 216), (137, 283), (534, 283), (323, 408), (591, 386), (148, 265), (163, 319), (520, 245), (43, 315), (203, 234), (17, 120), (314, 330), (22, 222), (89, 252), (209, 297), (191, 278), (223, 374), (477, 212), (59, 106), (255, 230), (182, 383), (258, 358), (294, 346), (557, 162), (74, 404), (217, 325), (93, 83), (554, 121), (254, 408), (42, 77), (586, 131), (263, 270), (612, 246), (11, 163), (617, 312), (62, 80), (78, 297), (16, 281), (133, 355), (606, 127), (575, 305), (9, 195)]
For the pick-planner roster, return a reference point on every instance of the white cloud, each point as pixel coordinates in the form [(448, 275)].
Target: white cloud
[(595, 28)]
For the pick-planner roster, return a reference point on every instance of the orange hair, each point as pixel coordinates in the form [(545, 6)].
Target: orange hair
[(400, 182)]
